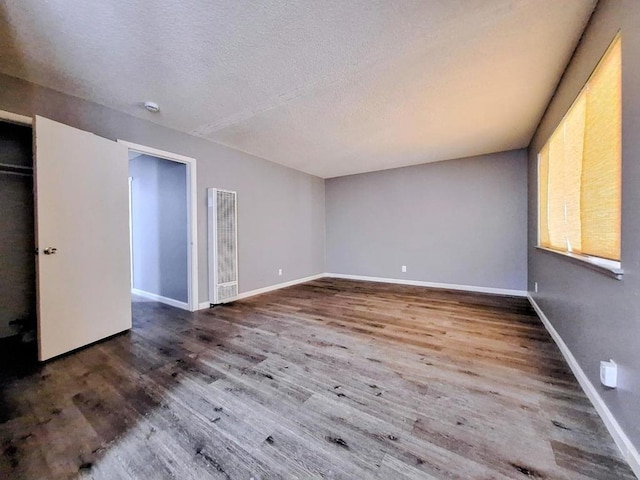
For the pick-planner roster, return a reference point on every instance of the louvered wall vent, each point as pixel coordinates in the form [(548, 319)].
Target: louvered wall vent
[(223, 245)]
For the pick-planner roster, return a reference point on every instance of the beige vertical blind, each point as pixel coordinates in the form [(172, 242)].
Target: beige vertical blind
[(543, 197), (579, 184)]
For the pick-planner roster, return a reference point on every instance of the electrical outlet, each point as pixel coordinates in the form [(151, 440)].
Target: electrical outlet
[(404, 268), (280, 272), (535, 286)]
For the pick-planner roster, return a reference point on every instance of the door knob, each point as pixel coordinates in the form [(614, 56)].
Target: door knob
[(50, 250)]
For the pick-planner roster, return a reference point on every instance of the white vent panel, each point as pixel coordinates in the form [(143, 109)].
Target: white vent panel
[(227, 292), (223, 245)]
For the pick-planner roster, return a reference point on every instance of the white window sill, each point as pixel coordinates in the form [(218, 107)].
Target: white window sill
[(608, 267)]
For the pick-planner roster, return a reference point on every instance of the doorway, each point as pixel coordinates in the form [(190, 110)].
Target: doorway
[(162, 226)]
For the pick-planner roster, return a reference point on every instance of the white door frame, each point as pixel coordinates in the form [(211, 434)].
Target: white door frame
[(16, 118), (131, 231), (192, 213)]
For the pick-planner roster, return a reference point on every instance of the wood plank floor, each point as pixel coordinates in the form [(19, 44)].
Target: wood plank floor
[(330, 379)]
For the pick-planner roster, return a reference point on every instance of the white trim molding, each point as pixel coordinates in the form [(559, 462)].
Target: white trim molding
[(448, 286), (161, 299), (602, 265), (155, 152), (627, 449), (278, 286), (271, 288), (15, 118), (192, 220), (419, 283)]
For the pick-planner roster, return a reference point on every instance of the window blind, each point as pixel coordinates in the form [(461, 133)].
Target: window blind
[(579, 170), (601, 178)]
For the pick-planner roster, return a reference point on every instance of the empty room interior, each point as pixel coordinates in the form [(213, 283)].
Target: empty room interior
[(346, 239)]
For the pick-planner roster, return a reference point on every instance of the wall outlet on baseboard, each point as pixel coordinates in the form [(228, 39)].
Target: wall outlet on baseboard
[(404, 268), (535, 286), (279, 272)]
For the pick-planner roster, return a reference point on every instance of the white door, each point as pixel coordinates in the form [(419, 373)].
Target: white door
[(82, 237)]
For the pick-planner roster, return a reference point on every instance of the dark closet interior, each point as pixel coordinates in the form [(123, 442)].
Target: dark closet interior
[(17, 247)]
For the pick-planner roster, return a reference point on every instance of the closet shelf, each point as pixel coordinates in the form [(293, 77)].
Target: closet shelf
[(9, 169)]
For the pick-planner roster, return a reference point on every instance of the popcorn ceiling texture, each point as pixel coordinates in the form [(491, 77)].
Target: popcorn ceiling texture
[(330, 88)]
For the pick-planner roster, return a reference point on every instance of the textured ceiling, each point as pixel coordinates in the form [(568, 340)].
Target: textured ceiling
[(329, 87)]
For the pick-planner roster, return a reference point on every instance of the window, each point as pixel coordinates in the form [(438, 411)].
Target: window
[(579, 169)]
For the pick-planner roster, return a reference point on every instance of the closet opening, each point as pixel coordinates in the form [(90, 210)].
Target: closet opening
[(18, 317)]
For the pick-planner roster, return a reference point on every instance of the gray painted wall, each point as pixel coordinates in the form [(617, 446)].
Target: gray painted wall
[(17, 261), (460, 222), (159, 227), (597, 316), (281, 211)]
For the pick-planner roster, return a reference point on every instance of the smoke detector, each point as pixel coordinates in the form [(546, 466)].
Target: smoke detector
[(153, 107)]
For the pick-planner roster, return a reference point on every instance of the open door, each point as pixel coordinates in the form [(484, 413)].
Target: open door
[(82, 238)]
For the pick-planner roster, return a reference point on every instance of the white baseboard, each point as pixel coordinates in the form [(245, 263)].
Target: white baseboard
[(278, 286), (418, 283), (161, 299), (448, 286), (629, 452), (270, 288)]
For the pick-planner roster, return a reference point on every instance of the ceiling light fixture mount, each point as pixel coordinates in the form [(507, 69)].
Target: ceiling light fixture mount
[(153, 107)]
